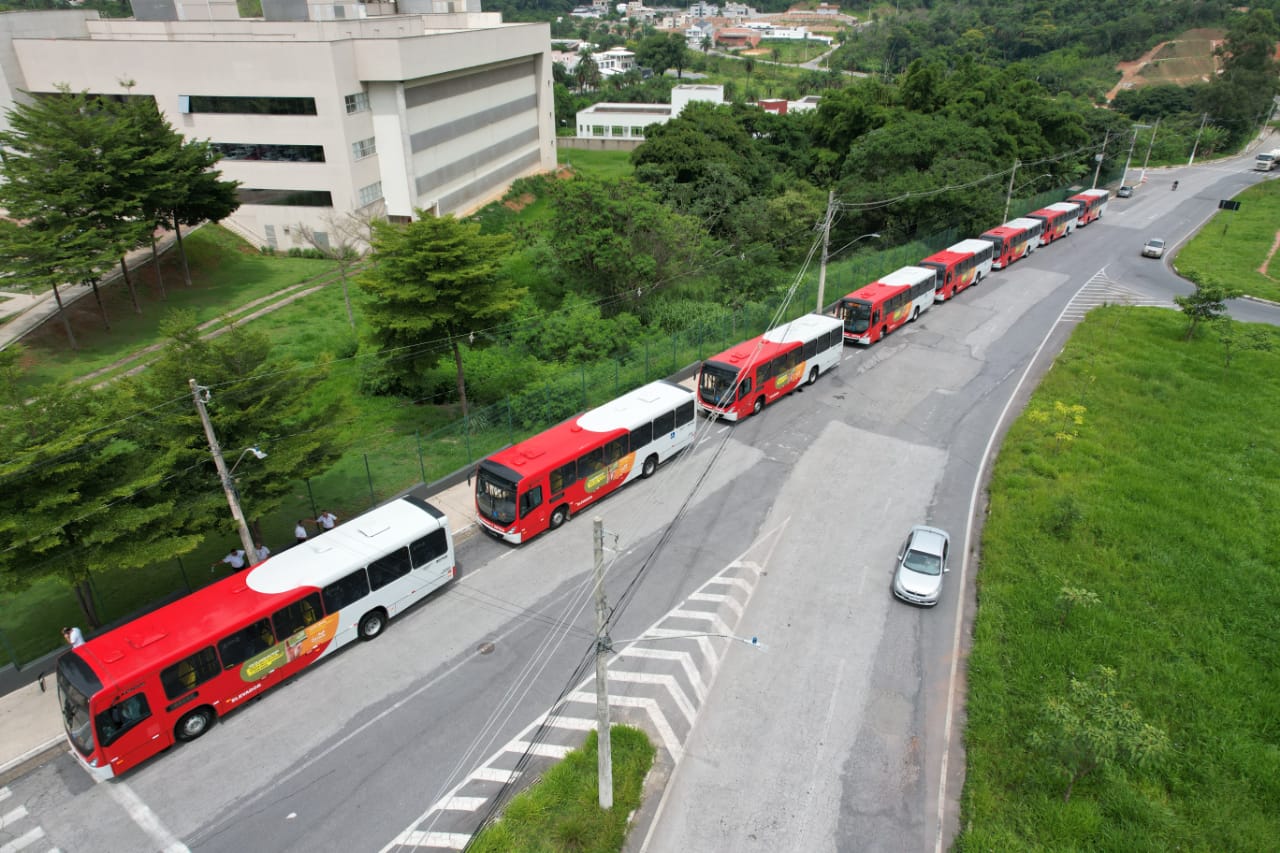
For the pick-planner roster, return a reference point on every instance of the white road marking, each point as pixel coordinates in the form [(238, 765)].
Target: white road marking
[(13, 817), (683, 658), (145, 818), (448, 840), (22, 841)]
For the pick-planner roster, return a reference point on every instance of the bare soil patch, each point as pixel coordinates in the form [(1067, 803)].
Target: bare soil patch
[(1185, 60)]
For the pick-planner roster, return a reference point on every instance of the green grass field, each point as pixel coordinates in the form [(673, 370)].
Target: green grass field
[(561, 811), (608, 165), (1164, 506), (1232, 248)]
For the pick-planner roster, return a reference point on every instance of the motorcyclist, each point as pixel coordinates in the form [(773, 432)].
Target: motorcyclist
[(1175, 185)]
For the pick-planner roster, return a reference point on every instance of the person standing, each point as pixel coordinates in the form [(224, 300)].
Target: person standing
[(263, 552), (300, 532), (235, 559), (327, 521), (73, 636)]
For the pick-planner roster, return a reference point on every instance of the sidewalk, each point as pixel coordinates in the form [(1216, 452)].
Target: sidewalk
[(30, 725)]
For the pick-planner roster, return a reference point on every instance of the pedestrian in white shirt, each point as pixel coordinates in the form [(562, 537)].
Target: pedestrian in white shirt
[(300, 532)]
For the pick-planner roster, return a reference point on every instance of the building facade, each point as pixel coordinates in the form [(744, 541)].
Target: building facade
[(319, 110)]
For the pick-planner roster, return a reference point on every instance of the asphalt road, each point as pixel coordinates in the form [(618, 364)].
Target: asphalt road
[(843, 734)]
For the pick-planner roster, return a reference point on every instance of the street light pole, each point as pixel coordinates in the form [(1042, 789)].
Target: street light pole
[(826, 242), (1150, 145), (1203, 118), (201, 395), (1008, 196), (1101, 155)]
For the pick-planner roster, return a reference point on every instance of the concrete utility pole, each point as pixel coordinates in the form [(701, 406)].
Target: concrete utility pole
[(604, 748), (1150, 145), (1129, 157), (1204, 118), (826, 243), (1008, 196), (1100, 156), (201, 395)]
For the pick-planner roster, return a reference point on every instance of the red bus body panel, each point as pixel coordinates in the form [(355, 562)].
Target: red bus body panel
[(745, 357), (1093, 203), (1011, 243), (950, 282)]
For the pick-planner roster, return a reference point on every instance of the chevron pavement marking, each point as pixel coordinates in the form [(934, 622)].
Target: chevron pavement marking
[(1102, 290), (658, 690)]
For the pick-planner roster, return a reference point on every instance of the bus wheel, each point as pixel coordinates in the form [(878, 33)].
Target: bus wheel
[(194, 724), (559, 516), (372, 623), (758, 407), (915, 314), (813, 376), (650, 465)]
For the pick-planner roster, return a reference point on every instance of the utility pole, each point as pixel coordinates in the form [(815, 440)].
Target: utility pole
[(826, 243), (604, 748), (1150, 145), (1124, 179), (1008, 196), (1100, 156), (201, 395), (1203, 119)]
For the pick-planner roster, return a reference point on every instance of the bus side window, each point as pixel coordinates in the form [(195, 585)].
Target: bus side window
[(664, 423), (431, 547), (292, 618), (810, 349), (615, 450), (564, 477), (235, 649), (837, 337), (189, 673), (590, 463), (530, 500), (685, 413), (345, 591), (384, 570), (793, 358), (121, 717), (744, 388), (642, 436)]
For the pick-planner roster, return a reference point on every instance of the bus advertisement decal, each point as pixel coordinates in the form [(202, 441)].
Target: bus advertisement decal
[(782, 380), (611, 473), (262, 664)]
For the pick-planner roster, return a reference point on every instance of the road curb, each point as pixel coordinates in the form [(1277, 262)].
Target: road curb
[(34, 755)]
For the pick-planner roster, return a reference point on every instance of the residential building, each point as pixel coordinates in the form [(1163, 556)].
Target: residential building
[(319, 109), (628, 121)]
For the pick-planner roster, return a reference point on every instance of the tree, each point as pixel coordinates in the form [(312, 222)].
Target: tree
[(69, 170), (661, 52), (1236, 339), (586, 73), (1206, 304), (435, 284), (202, 195), (1091, 728), (343, 241)]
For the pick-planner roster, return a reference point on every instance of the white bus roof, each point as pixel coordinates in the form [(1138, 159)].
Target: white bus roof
[(636, 407), (971, 245), (1025, 222), (1095, 192), (908, 275), (336, 553), (1069, 206), (803, 328)]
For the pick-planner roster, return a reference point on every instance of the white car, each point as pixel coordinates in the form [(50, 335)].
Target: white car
[(921, 564), (1153, 248)]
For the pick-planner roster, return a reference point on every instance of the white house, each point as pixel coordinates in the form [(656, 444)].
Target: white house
[(318, 108), (628, 121)]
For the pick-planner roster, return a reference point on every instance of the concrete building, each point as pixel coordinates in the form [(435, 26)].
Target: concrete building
[(321, 108)]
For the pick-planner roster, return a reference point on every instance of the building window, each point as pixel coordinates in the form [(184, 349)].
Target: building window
[(286, 153), (370, 194), (288, 198), (364, 148), (619, 130), (357, 103), (252, 106), (597, 130)]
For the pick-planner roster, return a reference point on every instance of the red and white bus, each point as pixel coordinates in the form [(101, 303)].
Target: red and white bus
[(982, 252), (1093, 203), (1059, 220), (959, 266), (873, 311), (740, 381), (133, 691), (538, 483), (1016, 239)]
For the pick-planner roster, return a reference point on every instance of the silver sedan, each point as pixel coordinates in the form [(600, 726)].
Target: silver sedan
[(921, 564)]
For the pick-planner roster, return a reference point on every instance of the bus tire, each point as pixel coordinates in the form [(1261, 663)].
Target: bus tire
[(813, 375), (650, 465), (559, 516), (758, 406), (193, 724), (915, 314), (372, 624)]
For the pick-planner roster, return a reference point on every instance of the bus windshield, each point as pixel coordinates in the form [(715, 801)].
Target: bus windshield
[(857, 315), (74, 702), (495, 496), (715, 384)]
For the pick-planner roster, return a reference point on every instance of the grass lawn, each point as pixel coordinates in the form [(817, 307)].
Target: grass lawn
[(1232, 248), (609, 165), (225, 273), (561, 811), (1163, 505)]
